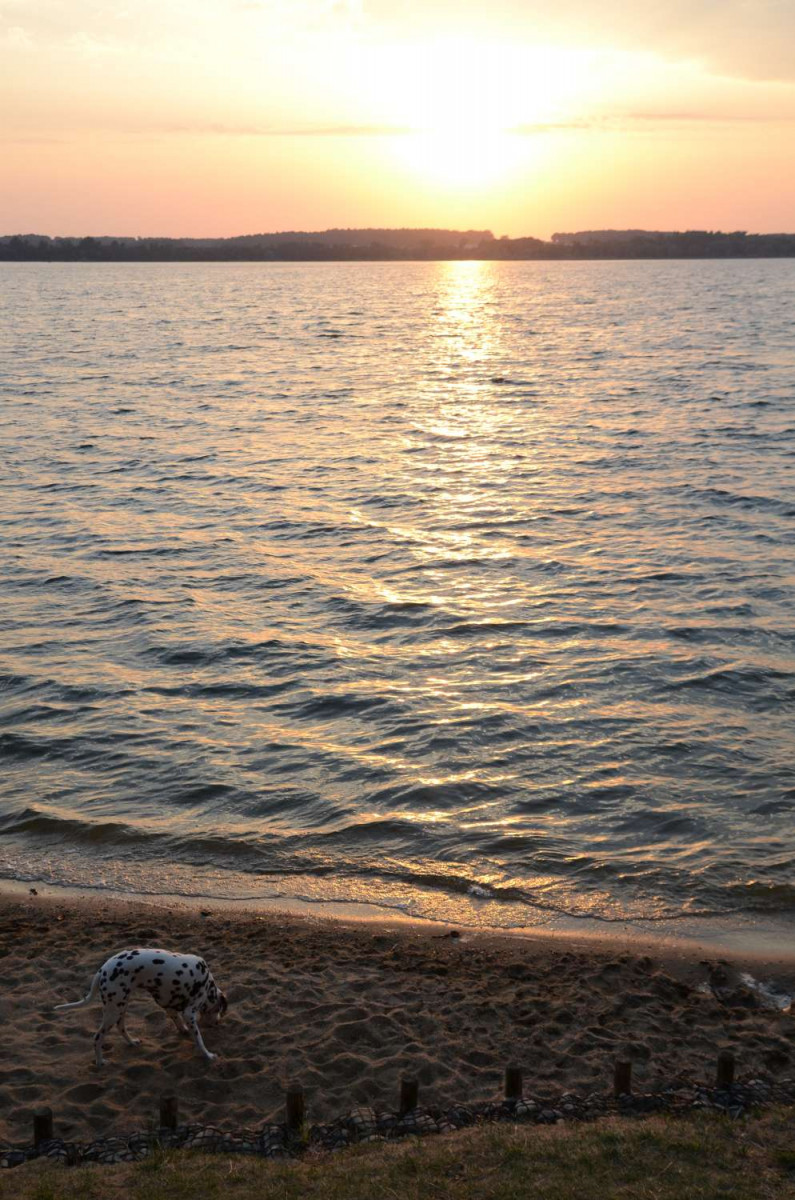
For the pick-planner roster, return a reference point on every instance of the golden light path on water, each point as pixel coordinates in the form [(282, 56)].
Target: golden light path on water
[(466, 430), (458, 588)]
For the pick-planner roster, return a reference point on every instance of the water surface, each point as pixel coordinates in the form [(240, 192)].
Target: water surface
[(464, 588)]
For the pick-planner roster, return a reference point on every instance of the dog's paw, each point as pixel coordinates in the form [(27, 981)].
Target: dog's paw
[(135, 1041), (211, 1057)]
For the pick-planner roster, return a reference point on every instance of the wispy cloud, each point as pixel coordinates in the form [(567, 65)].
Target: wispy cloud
[(745, 39), (214, 129), (16, 37), (646, 121)]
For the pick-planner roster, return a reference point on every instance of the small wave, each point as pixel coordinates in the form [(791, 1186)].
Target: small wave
[(772, 808), (142, 552), (330, 708), (64, 829), (31, 713), (759, 686), (719, 496), (10, 682), (433, 797), (757, 896), (464, 629), (226, 691), (19, 747)]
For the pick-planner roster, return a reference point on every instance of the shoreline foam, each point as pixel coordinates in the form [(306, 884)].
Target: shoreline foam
[(742, 935)]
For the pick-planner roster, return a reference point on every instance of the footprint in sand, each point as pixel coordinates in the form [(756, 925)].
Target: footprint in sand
[(84, 1093)]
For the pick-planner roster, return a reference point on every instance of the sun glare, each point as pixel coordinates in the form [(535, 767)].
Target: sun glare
[(462, 157), (467, 108)]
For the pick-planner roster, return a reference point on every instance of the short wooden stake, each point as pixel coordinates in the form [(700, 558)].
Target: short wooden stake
[(42, 1126), (169, 1112), (513, 1083), (409, 1095), (622, 1079), (725, 1069), (295, 1108)]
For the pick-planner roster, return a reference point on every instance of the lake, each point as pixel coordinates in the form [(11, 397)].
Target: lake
[(460, 588)]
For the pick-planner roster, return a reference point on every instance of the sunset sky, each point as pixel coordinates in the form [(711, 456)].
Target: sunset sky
[(216, 117)]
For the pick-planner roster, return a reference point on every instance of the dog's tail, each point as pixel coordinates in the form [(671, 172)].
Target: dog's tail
[(86, 999)]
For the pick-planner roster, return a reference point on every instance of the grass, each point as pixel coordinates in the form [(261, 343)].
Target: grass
[(700, 1157)]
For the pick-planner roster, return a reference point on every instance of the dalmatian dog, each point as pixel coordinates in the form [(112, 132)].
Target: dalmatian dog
[(180, 983)]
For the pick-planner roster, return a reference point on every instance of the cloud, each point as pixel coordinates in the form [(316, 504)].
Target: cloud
[(643, 121), (33, 140), (215, 129), (334, 131), (749, 39), (16, 38)]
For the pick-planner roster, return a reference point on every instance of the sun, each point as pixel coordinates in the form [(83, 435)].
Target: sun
[(462, 156), (467, 108)]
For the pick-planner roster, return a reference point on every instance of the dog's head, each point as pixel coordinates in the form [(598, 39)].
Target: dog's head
[(216, 1003), (221, 1007)]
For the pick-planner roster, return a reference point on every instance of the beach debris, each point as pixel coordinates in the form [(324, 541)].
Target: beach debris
[(739, 989), (770, 996)]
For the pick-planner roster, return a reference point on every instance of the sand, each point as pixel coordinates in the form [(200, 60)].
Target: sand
[(346, 1009)]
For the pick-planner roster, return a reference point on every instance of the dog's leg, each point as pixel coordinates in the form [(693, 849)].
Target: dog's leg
[(110, 1016), (179, 1022), (131, 1041), (191, 1017)]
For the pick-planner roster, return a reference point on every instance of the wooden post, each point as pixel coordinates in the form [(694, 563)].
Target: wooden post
[(168, 1112), (513, 1083), (409, 1095), (295, 1108), (622, 1079), (725, 1069), (42, 1126)]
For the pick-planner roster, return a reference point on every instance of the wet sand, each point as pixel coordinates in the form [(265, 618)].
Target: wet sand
[(346, 1009)]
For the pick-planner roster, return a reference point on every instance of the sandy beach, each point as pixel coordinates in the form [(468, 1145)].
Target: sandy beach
[(346, 1009)]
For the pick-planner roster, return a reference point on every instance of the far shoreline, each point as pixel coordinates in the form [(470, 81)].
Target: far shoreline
[(166, 260), (400, 245)]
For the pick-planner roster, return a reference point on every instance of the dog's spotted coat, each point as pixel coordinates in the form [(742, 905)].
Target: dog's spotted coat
[(179, 983)]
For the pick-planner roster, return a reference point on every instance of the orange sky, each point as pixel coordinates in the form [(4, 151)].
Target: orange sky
[(215, 117)]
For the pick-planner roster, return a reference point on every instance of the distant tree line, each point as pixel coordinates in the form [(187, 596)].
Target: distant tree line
[(369, 245)]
